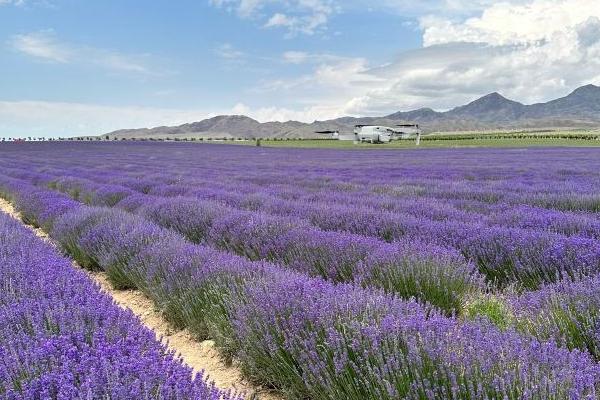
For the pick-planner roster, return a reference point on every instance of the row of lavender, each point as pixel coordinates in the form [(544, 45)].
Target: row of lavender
[(567, 312), (504, 254), (318, 208), (307, 337), (451, 201), (437, 275), (60, 338), (487, 176), (529, 257)]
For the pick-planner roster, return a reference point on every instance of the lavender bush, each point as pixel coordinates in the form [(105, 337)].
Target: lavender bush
[(316, 340), (567, 312), (61, 338)]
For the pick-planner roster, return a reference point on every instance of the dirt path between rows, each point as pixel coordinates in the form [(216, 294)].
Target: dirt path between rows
[(198, 355)]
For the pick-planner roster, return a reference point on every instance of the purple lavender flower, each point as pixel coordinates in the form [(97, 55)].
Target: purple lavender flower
[(60, 337)]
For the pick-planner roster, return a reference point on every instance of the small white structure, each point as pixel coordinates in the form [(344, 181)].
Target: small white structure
[(373, 134), (379, 133)]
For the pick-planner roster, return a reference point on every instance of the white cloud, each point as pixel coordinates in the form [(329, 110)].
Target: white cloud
[(504, 23), (12, 2), (229, 52), (279, 19), (120, 62), (530, 51), (303, 57), (446, 7), (331, 74), (312, 16), (244, 8), (283, 114), (295, 57), (45, 46), (296, 16)]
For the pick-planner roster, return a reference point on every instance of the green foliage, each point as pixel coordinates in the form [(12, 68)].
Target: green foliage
[(451, 140), (118, 276), (442, 285), (571, 320), (491, 307)]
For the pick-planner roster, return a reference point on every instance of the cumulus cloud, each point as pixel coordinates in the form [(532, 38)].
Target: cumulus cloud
[(282, 114), (505, 23), (454, 8), (589, 32), (296, 16), (311, 16), (45, 46), (530, 51), (279, 19)]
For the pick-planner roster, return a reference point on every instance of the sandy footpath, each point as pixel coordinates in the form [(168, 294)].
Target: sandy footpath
[(198, 355)]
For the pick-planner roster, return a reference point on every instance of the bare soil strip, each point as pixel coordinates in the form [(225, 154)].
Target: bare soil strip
[(198, 355)]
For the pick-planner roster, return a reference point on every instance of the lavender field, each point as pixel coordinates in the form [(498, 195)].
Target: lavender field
[(323, 274), (60, 338)]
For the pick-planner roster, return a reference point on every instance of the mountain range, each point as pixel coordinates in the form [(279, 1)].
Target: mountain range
[(579, 109)]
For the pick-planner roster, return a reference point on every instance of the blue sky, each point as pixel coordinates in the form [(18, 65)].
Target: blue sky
[(71, 67)]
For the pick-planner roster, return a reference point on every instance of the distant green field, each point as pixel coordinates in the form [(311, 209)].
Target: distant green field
[(509, 139), (432, 144)]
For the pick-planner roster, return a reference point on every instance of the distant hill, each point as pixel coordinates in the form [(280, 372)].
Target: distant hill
[(580, 109)]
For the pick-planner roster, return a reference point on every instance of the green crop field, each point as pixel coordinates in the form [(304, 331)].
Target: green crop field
[(506, 139)]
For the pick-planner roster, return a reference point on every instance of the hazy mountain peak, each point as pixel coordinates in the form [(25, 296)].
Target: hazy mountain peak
[(493, 95), (581, 108), (586, 91), (493, 99), (491, 107), (233, 117), (418, 115)]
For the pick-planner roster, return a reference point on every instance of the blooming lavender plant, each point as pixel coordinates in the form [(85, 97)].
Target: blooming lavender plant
[(316, 340), (435, 275), (61, 338), (567, 312), (190, 217)]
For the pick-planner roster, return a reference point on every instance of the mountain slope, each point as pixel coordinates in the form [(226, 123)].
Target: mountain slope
[(583, 102), (581, 108), (490, 108)]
